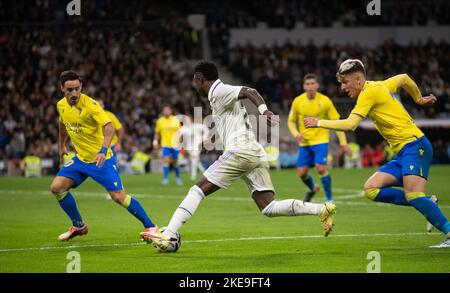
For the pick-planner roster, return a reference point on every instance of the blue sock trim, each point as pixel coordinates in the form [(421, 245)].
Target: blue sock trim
[(392, 195), (138, 211), (69, 206), (432, 213)]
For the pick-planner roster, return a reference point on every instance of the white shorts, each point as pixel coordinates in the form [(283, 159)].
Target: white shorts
[(231, 166)]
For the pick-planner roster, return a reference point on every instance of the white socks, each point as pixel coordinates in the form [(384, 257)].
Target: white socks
[(186, 209), (291, 207)]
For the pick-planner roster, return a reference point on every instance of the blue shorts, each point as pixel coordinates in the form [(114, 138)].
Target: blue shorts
[(312, 155), (107, 175), (170, 152), (413, 159)]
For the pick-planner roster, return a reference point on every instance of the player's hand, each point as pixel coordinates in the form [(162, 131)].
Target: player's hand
[(62, 152), (428, 101), (299, 138), (310, 122), (347, 150), (271, 118), (100, 159), (118, 147)]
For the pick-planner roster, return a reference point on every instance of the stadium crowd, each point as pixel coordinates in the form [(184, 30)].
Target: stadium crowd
[(130, 69), (135, 61), (277, 71)]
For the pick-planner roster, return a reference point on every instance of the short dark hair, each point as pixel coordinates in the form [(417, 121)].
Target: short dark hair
[(208, 69), (309, 76), (68, 75)]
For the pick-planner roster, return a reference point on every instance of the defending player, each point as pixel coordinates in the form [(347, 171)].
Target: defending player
[(83, 120), (244, 158), (166, 137), (313, 142), (414, 152)]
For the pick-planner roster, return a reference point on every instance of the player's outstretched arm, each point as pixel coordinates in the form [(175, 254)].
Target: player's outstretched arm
[(258, 101), (348, 124), (62, 141), (406, 82)]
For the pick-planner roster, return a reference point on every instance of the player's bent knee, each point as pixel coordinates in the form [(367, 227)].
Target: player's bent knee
[(118, 196), (371, 193), (321, 169)]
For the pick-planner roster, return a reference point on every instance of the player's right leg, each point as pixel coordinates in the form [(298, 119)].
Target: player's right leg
[(166, 156), (69, 177), (182, 214), (304, 161)]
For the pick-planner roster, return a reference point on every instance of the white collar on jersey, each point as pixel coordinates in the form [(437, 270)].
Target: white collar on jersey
[(213, 86)]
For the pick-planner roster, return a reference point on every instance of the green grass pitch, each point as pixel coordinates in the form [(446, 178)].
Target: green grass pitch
[(227, 234)]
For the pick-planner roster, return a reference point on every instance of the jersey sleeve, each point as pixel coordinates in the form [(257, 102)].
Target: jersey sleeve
[(332, 113), (293, 113), (365, 102), (227, 94), (98, 114), (115, 121), (158, 126), (391, 84)]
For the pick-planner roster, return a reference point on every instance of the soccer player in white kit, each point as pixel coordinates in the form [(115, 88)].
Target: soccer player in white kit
[(243, 158), (192, 135)]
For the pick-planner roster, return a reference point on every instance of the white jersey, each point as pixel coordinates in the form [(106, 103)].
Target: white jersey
[(231, 119), (193, 135)]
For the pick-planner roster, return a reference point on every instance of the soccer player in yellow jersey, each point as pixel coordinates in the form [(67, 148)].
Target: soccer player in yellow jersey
[(313, 142), (84, 121), (166, 137), (410, 166), (116, 142)]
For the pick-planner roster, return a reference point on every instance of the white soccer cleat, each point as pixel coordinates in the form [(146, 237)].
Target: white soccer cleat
[(434, 199), (444, 244), (72, 232)]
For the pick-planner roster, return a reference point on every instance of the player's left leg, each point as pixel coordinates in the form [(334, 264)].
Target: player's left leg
[(133, 206), (108, 176), (320, 160), (415, 194), (166, 156), (304, 161), (260, 185)]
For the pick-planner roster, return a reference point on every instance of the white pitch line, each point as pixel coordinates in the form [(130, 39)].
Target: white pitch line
[(216, 240), (212, 197)]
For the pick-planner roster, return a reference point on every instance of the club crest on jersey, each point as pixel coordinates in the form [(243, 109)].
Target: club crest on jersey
[(421, 151), (411, 167)]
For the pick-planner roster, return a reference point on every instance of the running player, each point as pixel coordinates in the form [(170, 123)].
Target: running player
[(411, 164)]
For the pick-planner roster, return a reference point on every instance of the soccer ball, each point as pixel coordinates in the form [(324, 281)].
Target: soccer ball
[(174, 245)]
